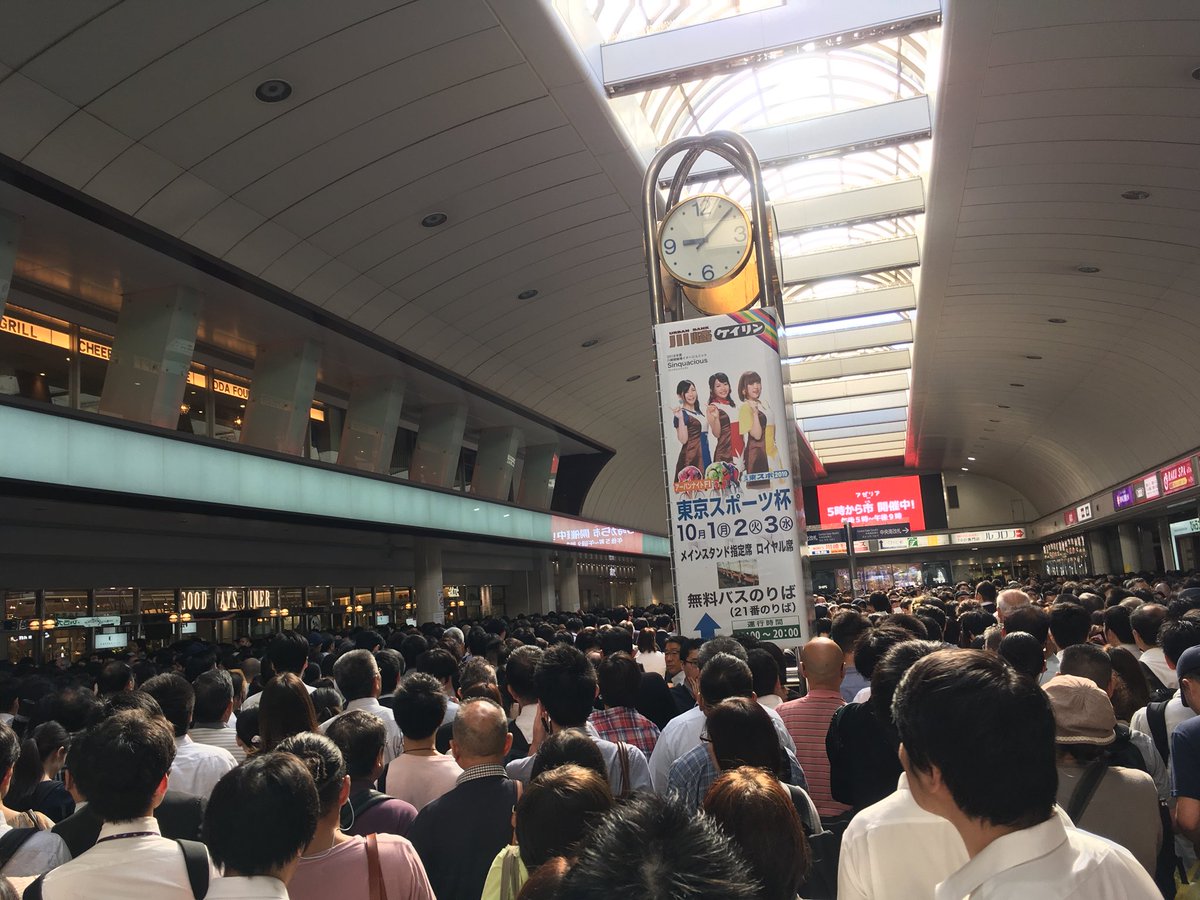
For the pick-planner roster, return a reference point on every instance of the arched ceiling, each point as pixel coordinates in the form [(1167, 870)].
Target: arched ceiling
[(1046, 114)]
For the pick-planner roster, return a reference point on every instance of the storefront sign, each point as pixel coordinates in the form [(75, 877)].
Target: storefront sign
[(40, 333), (915, 542), (837, 549), (878, 501), (87, 621), (1070, 517), (195, 601), (1123, 497), (737, 524), (1150, 489), (239, 599), (112, 641), (575, 533), (1083, 512), (1178, 477), (231, 390), (1191, 526), (988, 537)]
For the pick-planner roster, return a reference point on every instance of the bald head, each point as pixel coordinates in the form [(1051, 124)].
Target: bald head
[(480, 732), (822, 663)]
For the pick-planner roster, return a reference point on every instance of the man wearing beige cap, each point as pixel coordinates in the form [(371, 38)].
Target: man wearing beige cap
[(1114, 802)]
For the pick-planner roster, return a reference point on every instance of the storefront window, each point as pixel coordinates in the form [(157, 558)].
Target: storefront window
[(325, 432), (35, 357), (229, 396), (193, 411), (95, 350), (402, 452)]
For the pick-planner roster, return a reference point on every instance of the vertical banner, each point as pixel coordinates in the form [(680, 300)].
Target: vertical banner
[(736, 514)]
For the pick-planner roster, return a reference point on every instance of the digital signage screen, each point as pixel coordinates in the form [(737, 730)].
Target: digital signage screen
[(876, 501), (1178, 477), (1123, 497)]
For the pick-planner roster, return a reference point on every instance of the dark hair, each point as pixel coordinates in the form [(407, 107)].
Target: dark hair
[(114, 677), (327, 703), (519, 673), (29, 768), (764, 670), (391, 667), (972, 624), (897, 660), (1132, 691), (1070, 624), (616, 640), (712, 389), (682, 388), (566, 685), (439, 663), (419, 705), (725, 676), (176, 698), (654, 846), (1031, 619), (411, 649), (647, 640), (360, 736), (1177, 635), (986, 591), (569, 747), (719, 644), (742, 735), (874, 644), (1086, 661), (1116, 620), (355, 673), (744, 381), (324, 762), (288, 652), (848, 626), (1146, 620), (122, 761), (261, 815), (1023, 652), (474, 672), (214, 693), (972, 715), (285, 709), (557, 810), (247, 728), (619, 678), (757, 813), (10, 749), (368, 640)]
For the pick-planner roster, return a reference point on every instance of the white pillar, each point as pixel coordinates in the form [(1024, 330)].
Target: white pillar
[(281, 396), (1101, 564), (545, 581), (1131, 550), (439, 442), (10, 233), (369, 432), (537, 476), (495, 460), (1167, 540), (427, 571), (568, 582)]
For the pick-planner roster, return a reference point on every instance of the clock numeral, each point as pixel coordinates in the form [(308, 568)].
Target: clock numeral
[(739, 233), (703, 205), (707, 273), (669, 246)]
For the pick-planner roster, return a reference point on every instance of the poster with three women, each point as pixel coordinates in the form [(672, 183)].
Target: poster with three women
[(737, 522)]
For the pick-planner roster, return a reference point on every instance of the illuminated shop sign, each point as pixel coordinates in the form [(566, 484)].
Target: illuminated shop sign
[(1178, 477), (915, 542), (989, 537), (576, 533), (40, 333), (879, 501)]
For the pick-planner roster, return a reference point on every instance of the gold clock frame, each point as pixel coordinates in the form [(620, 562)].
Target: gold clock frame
[(734, 291)]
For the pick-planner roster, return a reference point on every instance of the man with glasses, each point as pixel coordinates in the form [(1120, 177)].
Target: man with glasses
[(673, 651), (686, 688)]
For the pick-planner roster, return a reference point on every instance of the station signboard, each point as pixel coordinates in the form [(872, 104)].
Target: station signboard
[(990, 536)]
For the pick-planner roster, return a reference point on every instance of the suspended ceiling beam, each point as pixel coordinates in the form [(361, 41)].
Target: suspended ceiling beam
[(850, 420), (850, 387), (685, 54), (860, 403), (850, 306), (851, 339), (862, 364), (866, 204), (821, 435), (891, 437), (856, 259)]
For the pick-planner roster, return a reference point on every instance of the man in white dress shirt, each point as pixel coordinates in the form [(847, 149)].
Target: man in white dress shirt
[(131, 755), (212, 711), (357, 677), (197, 767), (287, 652), (965, 715)]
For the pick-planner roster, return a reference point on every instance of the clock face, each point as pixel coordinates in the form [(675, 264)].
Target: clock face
[(705, 240)]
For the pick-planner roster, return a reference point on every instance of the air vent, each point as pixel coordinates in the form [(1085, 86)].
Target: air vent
[(952, 496)]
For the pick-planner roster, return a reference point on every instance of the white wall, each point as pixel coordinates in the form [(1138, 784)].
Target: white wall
[(985, 501)]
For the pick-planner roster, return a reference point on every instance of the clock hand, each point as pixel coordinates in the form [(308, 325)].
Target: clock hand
[(704, 240)]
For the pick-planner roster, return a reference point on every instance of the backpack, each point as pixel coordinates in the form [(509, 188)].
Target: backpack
[(1156, 718), (195, 858), (1158, 691)]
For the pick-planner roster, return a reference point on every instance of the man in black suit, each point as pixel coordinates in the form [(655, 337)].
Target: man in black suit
[(459, 834)]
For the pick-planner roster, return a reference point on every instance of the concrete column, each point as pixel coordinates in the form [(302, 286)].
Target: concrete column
[(1099, 553), (1170, 557), (645, 584), (151, 355), (1131, 548), (10, 233), (1146, 546), (427, 569), (281, 396), (439, 442), (657, 583), (369, 432), (537, 476), (568, 582), (494, 462), (544, 571)]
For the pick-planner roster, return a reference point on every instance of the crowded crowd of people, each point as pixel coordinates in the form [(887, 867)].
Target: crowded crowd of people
[(994, 740)]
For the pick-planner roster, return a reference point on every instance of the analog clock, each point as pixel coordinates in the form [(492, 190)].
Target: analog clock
[(705, 240)]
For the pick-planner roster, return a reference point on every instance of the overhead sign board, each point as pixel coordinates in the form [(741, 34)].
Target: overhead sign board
[(915, 542), (87, 621), (837, 549), (1178, 477), (875, 501), (990, 536)]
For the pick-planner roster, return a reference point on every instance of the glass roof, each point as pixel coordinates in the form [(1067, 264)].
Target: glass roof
[(620, 20)]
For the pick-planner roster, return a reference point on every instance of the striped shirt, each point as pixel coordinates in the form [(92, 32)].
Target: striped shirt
[(807, 721)]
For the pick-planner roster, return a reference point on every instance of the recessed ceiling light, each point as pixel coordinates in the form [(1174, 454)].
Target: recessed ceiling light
[(1014, 384), (42, 374), (1030, 356), (591, 342), (965, 469), (433, 220), (1087, 270), (633, 377), (273, 90), (1136, 195), (1057, 321), (970, 459), (1002, 406), (527, 295)]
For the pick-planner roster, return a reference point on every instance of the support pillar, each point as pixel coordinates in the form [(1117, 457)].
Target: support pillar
[(645, 584), (656, 584), (1167, 540), (369, 432), (544, 570), (568, 582), (494, 463), (1131, 548), (147, 370), (537, 476), (439, 442), (1101, 564), (427, 569), (10, 233), (281, 396)]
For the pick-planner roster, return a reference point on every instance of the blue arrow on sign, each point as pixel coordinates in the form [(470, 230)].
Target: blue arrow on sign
[(707, 627)]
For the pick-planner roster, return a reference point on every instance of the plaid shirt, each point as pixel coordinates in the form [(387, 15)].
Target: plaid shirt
[(623, 723), (694, 773)]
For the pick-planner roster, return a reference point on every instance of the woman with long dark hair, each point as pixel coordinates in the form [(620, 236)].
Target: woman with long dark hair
[(722, 423), (691, 429), (35, 786)]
